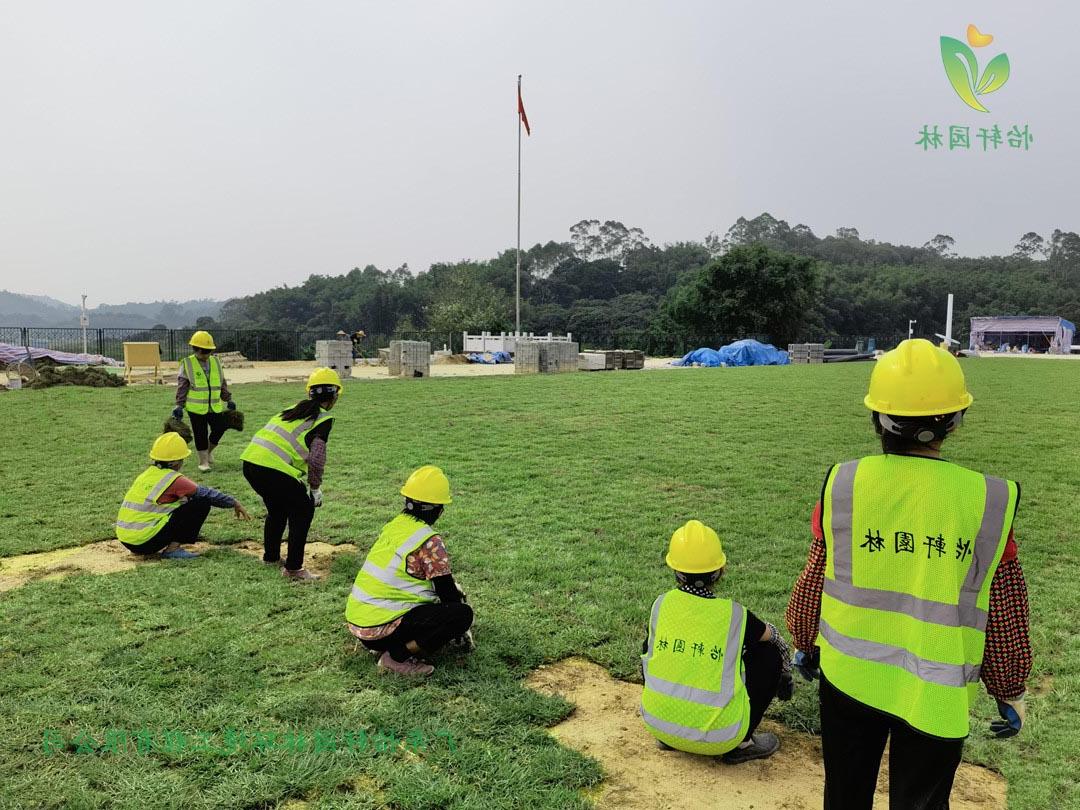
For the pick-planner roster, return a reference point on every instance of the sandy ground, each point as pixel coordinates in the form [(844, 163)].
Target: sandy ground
[(298, 371), (639, 776), (109, 556)]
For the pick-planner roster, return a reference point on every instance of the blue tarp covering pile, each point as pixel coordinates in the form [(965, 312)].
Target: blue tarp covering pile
[(489, 358), (739, 353)]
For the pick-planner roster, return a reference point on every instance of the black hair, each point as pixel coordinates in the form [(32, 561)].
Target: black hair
[(309, 408), (427, 512), (918, 432), (704, 580)]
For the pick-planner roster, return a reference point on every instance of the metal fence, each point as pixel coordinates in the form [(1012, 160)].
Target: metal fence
[(254, 344), (673, 346)]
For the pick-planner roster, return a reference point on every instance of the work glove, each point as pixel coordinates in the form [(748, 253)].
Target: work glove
[(316, 497), (807, 665), (230, 405), (178, 412), (1012, 713), (786, 689)]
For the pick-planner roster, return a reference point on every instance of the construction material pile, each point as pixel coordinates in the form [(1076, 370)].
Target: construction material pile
[(611, 360), (234, 360), (90, 376)]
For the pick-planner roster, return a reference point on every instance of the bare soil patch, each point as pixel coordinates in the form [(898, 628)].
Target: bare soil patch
[(605, 725)]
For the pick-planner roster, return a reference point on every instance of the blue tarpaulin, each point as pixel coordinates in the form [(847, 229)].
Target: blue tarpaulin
[(489, 358), (739, 353)]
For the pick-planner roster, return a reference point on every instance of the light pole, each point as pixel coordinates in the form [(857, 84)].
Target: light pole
[(910, 331), (84, 321)]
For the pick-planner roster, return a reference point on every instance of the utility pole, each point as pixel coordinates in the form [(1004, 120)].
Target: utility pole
[(910, 331), (84, 321)]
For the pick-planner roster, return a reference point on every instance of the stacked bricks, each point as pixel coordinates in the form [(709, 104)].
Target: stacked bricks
[(806, 352), (543, 357), (609, 360), (335, 354), (409, 359)]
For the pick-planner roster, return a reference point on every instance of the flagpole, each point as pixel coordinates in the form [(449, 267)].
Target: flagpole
[(517, 275)]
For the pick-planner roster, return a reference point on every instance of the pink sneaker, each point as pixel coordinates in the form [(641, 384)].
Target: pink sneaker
[(303, 575), (409, 669)]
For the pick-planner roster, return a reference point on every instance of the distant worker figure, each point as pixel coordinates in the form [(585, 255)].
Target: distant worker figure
[(288, 450), (911, 593), (163, 509), (201, 390), (711, 667), (358, 338), (405, 602)]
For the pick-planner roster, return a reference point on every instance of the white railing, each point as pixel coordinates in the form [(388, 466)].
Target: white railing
[(507, 341)]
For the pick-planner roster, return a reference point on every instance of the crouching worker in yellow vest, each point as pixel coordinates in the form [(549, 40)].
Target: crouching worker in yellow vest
[(163, 509), (711, 667), (404, 602)]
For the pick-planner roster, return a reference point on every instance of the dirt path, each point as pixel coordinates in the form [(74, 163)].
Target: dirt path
[(605, 725), (109, 556)]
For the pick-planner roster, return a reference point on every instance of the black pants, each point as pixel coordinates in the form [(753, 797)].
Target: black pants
[(431, 626), (287, 502), (853, 735), (183, 526), (763, 667), (201, 423)]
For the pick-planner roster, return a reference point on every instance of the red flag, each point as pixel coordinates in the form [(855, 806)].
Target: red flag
[(521, 113)]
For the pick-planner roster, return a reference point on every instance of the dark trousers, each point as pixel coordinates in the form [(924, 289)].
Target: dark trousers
[(183, 526), (431, 626), (211, 422), (853, 736), (287, 502), (763, 667)]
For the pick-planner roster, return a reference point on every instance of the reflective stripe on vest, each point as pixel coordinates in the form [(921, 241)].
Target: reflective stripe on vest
[(678, 704), (204, 395), (141, 517), (381, 593), (901, 630), (280, 445)]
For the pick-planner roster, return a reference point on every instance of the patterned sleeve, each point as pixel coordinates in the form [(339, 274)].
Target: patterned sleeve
[(430, 560), (1007, 656), (804, 608)]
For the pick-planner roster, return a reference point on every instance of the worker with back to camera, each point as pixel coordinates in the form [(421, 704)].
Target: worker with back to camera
[(163, 509), (201, 390), (912, 592), (711, 667), (278, 459), (405, 603)]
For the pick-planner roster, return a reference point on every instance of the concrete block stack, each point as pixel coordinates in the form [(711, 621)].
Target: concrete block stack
[(335, 354), (633, 359), (593, 361), (806, 352), (527, 357), (543, 357), (415, 359)]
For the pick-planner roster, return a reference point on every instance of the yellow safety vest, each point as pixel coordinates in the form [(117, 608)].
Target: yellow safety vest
[(281, 445), (695, 689), (912, 545), (204, 395), (383, 589), (141, 517)]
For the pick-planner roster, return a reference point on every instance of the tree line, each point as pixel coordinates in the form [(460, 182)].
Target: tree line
[(610, 285)]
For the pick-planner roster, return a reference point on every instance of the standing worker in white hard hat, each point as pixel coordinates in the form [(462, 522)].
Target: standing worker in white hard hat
[(285, 462), (202, 391), (711, 667), (405, 603), (912, 592), (162, 509)]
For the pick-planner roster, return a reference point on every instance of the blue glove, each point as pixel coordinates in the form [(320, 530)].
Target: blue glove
[(807, 665), (1012, 719), (230, 405), (178, 412)]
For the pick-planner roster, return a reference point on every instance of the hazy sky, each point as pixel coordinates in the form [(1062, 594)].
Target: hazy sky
[(212, 149)]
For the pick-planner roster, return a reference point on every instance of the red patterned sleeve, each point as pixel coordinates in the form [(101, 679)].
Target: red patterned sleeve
[(430, 560), (1007, 656), (804, 608)]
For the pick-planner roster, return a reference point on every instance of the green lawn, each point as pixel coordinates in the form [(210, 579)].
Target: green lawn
[(566, 489)]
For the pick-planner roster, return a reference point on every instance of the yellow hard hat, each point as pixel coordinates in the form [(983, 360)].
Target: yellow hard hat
[(428, 484), (202, 340), (323, 376), (917, 379), (695, 549), (169, 447)]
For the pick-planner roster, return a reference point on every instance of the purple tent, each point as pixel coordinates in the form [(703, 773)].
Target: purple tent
[(1047, 334)]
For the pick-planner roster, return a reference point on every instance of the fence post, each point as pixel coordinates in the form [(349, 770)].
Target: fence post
[(100, 341), (257, 355), (296, 355), (24, 336)]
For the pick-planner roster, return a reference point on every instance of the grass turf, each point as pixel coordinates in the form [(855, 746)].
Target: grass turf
[(566, 489)]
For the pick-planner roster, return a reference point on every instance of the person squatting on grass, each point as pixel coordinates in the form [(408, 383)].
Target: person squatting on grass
[(912, 592), (201, 390), (405, 602), (711, 667), (163, 509), (290, 446)]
